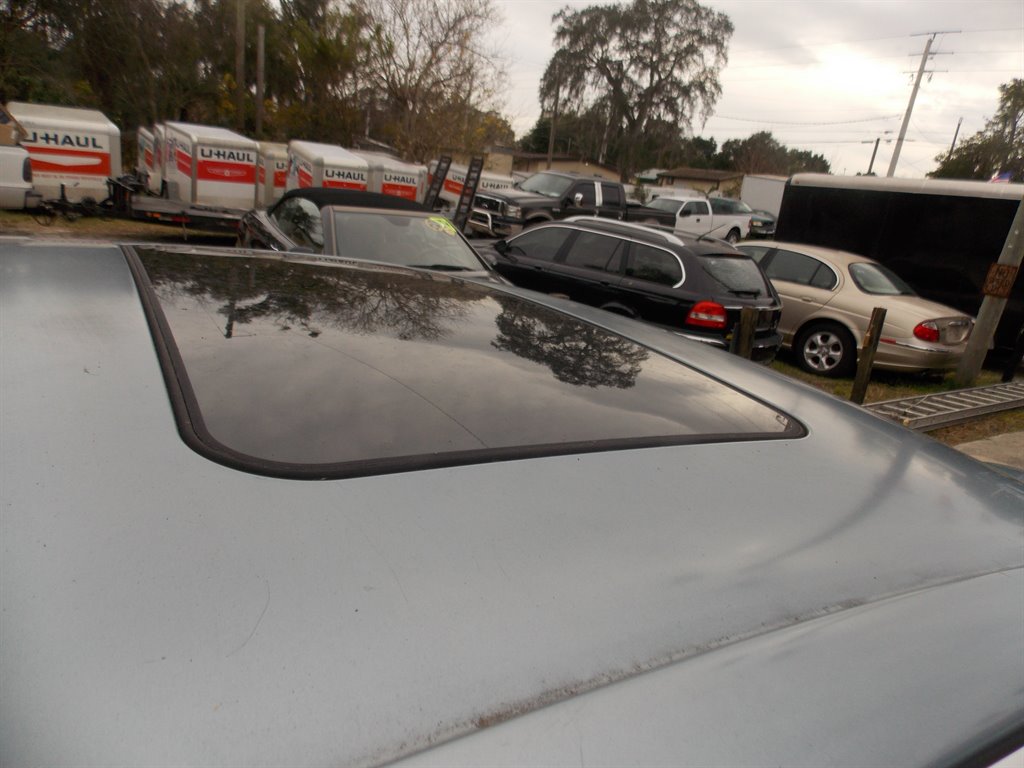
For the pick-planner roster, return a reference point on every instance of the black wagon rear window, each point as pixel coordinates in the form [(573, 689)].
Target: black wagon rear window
[(737, 274), (296, 367)]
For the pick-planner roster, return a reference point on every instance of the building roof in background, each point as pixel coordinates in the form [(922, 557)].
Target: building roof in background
[(700, 174)]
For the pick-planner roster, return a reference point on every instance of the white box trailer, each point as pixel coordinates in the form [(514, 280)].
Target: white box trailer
[(163, 153), (271, 173), (77, 148), (150, 157), (451, 191), (763, 192), (209, 166), (325, 165), (391, 176)]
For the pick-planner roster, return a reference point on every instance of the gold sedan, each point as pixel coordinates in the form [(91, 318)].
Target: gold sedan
[(827, 299)]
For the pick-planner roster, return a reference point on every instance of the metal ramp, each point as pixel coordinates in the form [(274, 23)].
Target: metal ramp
[(945, 409)]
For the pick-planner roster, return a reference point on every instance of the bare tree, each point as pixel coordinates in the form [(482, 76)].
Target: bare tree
[(436, 77)]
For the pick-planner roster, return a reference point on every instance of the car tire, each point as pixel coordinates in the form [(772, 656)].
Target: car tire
[(826, 349), (733, 237)]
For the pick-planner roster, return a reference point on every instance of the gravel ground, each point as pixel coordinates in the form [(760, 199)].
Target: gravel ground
[(97, 228)]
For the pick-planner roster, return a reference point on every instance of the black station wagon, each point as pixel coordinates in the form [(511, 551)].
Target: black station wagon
[(695, 287)]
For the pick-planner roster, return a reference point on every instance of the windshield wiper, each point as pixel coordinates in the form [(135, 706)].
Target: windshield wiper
[(751, 293)]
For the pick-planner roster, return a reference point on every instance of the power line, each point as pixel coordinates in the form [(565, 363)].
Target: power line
[(783, 122), (871, 40)]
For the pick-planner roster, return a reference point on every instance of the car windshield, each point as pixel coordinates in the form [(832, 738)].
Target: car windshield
[(739, 275), (546, 184), (411, 240), (664, 204), (742, 207), (878, 280)]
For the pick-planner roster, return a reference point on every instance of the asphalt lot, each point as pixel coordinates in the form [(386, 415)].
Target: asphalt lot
[(1006, 449)]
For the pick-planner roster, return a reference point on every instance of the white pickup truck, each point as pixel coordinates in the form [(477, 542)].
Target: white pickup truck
[(15, 179), (697, 215)]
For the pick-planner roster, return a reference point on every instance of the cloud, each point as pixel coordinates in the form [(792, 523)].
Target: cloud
[(813, 71)]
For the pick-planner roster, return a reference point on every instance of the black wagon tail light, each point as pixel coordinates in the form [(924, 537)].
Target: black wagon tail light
[(707, 314)]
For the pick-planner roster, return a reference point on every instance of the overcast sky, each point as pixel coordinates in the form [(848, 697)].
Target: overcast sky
[(829, 76)]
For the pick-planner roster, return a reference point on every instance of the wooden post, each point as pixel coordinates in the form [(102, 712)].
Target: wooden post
[(743, 335), (997, 289), (866, 359)]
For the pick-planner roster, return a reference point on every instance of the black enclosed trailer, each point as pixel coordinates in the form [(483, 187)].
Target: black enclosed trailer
[(941, 236)]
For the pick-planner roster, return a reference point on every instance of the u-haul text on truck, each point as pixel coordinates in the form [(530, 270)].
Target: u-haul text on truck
[(391, 176), (325, 165), (210, 166), (78, 149)]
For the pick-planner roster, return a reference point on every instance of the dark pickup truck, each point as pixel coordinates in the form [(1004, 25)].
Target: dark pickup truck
[(553, 195), (546, 196)]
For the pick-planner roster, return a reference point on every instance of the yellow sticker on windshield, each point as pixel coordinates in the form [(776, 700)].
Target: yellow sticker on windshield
[(441, 224)]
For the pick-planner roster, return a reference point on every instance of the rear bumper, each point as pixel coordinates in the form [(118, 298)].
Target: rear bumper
[(895, 355), (764, 349)]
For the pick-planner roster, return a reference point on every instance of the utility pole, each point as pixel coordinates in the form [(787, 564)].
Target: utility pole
[(913, 97), (261, 41), (554, 118), (874, 152), (240, 64), (955, 134)]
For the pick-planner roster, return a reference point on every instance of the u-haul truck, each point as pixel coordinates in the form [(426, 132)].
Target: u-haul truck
[(271, 173), (325, 165), (456, 179), (391, 176), (209, 166), (78, 149)]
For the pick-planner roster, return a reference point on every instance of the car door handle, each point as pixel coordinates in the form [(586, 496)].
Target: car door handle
[(808, 299)]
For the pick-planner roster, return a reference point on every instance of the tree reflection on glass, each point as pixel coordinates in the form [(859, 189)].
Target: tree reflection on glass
[(577, 353), (289, 294)]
